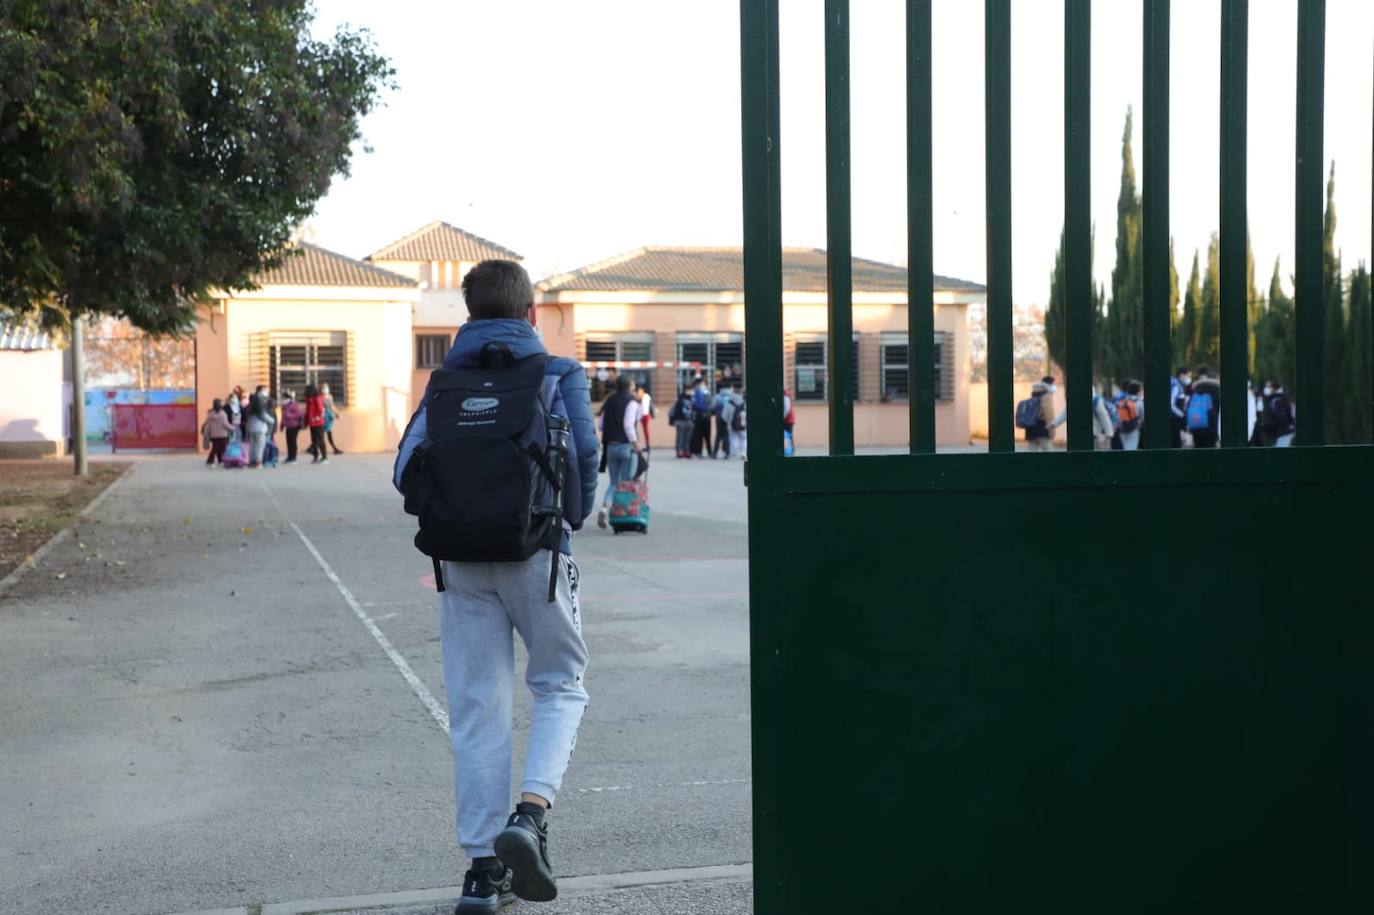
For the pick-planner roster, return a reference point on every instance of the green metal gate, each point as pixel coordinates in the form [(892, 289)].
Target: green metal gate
[(954, 710)]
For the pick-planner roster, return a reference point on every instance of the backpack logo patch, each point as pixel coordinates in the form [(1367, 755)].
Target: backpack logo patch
[(480, 404)]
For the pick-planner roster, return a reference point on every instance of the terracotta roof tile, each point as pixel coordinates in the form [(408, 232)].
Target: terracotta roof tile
[(440, 241), (672, 269), (311, 265)]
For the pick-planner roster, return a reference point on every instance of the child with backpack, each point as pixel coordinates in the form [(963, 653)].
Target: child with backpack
[(499, 463), (1130, 411), (1035, 416), (1202, 416)]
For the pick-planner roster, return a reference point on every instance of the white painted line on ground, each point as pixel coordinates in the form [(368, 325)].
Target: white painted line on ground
[(31, 562), (567, 886), (436, 711), (695, 784)]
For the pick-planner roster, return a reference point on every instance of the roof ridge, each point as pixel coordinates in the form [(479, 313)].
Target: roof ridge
[(370, 268), (383, 252), (559, 279)]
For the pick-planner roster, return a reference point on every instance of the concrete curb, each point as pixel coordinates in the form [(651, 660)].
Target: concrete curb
[(567, 886), (52, 542)]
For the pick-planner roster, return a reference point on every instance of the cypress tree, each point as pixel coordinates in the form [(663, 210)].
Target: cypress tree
[(1056, 319), (1186, 342), (1254, 308), (1209, 312), (1173, 294), (1123, 353), (1358, 359), (1334, 321), (1276, 355)]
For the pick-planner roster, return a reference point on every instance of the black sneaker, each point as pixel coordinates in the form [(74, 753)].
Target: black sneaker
[(523, 846), (485, 891)]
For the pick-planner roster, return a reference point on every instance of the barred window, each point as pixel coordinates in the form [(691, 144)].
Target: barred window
[(619, 347), (716, 357), (895, 367), (810, 368), (430, 350), (297, 360)]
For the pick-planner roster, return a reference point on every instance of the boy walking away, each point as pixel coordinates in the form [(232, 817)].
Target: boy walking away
[(619, 425), (217, 429), (1131, 412), (681, 418), (1035, 415), (1278, 415), (1203, 416), (499, 462)]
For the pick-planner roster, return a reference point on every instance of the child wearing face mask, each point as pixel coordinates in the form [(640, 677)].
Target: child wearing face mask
[(1277, 420)]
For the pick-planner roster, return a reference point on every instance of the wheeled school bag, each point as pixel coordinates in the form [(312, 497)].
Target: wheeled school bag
[(630, 506), (235, 452), (271, 454), (487, 481)]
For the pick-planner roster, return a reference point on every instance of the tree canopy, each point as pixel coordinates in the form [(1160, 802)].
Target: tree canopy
[(153, 150)]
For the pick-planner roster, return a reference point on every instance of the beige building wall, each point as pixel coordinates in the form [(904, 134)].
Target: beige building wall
[(875, 423), (31, 417), (231, 350)]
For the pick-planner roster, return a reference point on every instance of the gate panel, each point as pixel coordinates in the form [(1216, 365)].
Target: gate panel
[(1081, 682)]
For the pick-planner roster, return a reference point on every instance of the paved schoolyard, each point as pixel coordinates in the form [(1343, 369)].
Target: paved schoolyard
[(197, 710)]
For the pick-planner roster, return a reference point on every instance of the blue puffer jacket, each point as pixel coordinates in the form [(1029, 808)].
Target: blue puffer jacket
[(573, 401)]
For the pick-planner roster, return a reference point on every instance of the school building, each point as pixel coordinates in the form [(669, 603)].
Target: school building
[(668, 314), (374, 329), (319, 317)]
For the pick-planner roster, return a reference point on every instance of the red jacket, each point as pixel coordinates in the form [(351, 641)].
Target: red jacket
[(314, 411)]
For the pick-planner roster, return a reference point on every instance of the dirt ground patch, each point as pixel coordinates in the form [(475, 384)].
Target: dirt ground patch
[(39, 498)]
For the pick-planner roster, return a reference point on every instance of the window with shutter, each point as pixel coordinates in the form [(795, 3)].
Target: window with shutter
[(809, 368), (430, 350), (300, 359), (618, 348)]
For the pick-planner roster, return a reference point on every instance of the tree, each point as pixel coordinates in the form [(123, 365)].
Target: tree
[(1186, 341), (1056, 314), (120, 355), (1209, 310), (153, 150), (1275, 350), (1358, 359), (1174, 316), (1056, 317), (1334, 321), (1123, 353)]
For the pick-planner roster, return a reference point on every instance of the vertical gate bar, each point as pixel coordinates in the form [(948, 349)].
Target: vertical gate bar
[(762, 233), (759, 114), (997, 87), (839, 259), (920, 232), (1307, 234), (1078, 278), (1235, 360), (1155, 223)]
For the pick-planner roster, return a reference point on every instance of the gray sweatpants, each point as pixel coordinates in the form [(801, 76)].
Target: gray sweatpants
[(482, 605)]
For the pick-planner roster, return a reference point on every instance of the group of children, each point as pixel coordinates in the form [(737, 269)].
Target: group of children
[(240, 430)]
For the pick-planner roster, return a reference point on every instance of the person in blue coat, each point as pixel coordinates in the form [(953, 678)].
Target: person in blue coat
[(484, 603)]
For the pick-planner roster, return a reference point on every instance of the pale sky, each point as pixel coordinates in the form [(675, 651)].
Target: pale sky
[(572, 132)]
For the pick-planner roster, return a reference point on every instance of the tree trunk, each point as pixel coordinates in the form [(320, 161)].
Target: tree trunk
[(78, 398)]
